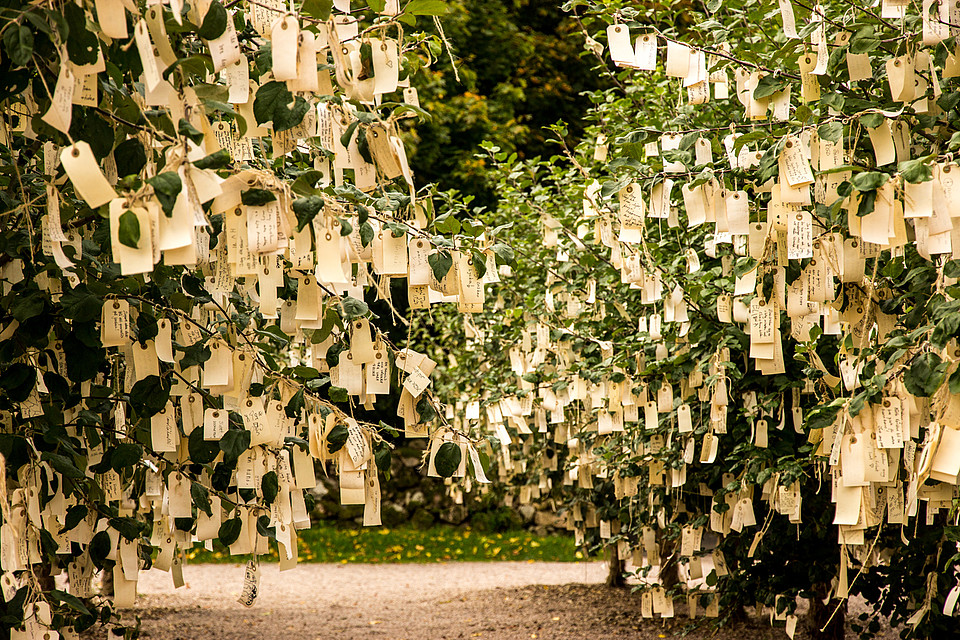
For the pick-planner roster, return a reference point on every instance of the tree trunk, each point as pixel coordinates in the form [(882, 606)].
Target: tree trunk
[(614, 567), (820, 614)]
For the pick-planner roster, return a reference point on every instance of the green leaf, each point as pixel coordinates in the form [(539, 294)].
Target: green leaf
[(100, 548), (831, 131), (187, 130), (864, 41), (382, 458), (201, 451), (871, 120), (269, 486), (348, 133), (149, 396), (954, 382), (366, 233), (70, 600), (377, 5), (216, 160), (479, 263), (129, 229), (353, 308), (390, 430), (75, 515), (425, 8), (125, 455), (869, 180), (233, 443), (925, 374), (319, 9), (230, 531), (425, 410), (337, 438), (447, 223), (275, 103), (504, 254), (18, 42), (257, 197), (306, 209), (18, 380), (129, 157), (952, 269), (767, 86), (83, 46), (447, 459), (166, 186), (214, 23), (916, 170), (440, 262), (201, 497), (29, 305), (63, 464)]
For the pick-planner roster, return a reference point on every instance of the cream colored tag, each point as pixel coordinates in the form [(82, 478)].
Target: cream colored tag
[(386, 65), (60, 113), (225, 50), (112, 19), (285, 36), (645, 52), (84, 172), (809, 86), (251, 584), (137, 259), (148, 56), (621, 49)]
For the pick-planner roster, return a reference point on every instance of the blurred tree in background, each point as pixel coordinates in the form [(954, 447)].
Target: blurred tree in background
[(522, 67)]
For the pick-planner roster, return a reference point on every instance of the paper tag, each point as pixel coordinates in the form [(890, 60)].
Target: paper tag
[(251, 585)]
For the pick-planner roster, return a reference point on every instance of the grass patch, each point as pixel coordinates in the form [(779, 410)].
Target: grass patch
[(408, 544)]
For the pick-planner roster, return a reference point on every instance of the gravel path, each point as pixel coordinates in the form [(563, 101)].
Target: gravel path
[(489, 600)]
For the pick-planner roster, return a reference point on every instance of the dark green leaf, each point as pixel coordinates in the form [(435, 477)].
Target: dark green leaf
[(166, 186), (319, 9), (353, 308), (83, 46), (306, 209), (275, 103), (201, 451), (149, 396), (257, 197), (216, 160), (233, 443), (201, 497), (869, 180), (768, 85), (366, 234), (925, 374), (18, 42), (230, 531), (447, 459), (129, 157), (125, 455), (440, 262), (63, 464), (337, 438), (214, 23), (129, 229), (269, 486)]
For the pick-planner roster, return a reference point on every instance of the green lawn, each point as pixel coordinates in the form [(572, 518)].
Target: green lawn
[(407, 544)]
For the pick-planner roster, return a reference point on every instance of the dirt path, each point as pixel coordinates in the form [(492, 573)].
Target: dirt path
[(492, 600)]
